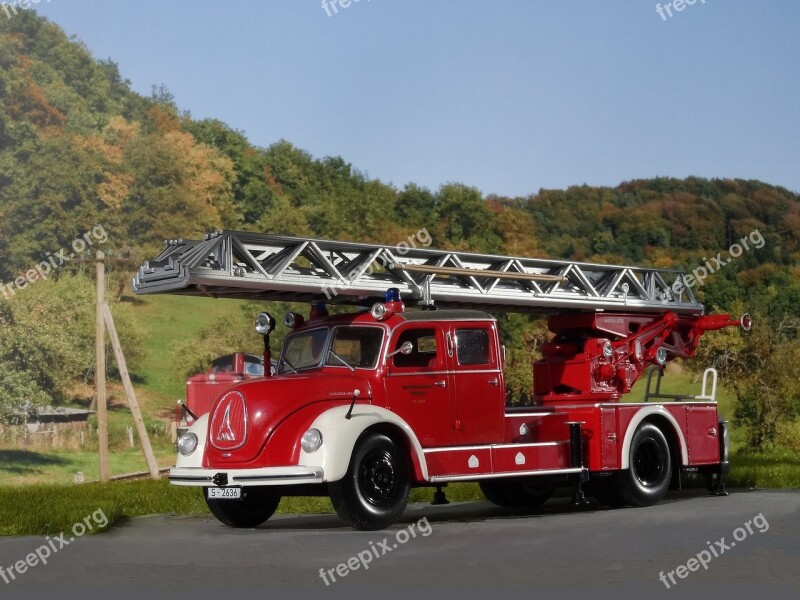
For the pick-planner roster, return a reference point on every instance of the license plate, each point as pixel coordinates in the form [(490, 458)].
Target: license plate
[(226, 493)]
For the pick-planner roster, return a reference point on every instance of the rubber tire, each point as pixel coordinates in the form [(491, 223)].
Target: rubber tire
[(372, 509), (256, 506), (647, 480), (518, 493)]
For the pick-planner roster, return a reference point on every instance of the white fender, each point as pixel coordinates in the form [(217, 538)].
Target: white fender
[(339, 437), (641, 416), (195, 459)]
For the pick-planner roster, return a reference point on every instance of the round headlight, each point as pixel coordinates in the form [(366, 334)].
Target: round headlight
[(265, 323), (607, 350), (292, 320), (311, 440), (187, 443)]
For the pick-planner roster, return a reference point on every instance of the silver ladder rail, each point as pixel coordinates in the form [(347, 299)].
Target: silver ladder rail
[(236, 264)]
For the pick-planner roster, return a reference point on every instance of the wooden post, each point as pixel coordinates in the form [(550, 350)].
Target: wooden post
[(152, 466), (100, 369)]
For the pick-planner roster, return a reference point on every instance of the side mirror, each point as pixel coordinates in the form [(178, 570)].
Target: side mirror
[(405, 348)]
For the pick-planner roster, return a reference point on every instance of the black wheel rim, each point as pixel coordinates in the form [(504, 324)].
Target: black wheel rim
[(376, 477), (648, 463)]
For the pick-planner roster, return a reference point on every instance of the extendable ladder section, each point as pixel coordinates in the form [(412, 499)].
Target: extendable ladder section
[(235, 264)]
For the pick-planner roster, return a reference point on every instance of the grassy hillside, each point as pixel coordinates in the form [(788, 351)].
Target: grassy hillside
[(168, 322)]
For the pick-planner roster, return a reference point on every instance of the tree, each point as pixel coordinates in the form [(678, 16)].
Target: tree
[(465, 221), (47, 341), (763, 369)]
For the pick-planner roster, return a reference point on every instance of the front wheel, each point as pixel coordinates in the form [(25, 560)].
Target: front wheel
[(374, 492), (647, 480), (256, 506)]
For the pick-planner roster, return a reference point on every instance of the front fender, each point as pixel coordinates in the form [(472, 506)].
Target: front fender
[(339, 436)]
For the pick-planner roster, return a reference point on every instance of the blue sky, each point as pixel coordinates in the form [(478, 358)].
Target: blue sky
[(507, 95)]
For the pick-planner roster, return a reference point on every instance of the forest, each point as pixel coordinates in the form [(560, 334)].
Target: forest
[(79, 149)]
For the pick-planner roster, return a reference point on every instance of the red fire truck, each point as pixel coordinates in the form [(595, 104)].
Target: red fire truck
[(366, 405)]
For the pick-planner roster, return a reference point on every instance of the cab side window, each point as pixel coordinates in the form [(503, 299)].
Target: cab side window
[(472, 346), (425, 349)]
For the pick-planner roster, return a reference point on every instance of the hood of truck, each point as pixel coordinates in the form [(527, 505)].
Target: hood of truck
[(245, 416)]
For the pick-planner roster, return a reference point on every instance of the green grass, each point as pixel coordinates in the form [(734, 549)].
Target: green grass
[(21, 506), (26, 467), (770, 469), (171, 319)]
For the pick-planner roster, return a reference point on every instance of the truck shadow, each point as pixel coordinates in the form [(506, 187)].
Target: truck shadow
[(468, 512)]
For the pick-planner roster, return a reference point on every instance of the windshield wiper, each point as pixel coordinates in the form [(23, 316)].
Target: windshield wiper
[(288, 364), (341, 360)]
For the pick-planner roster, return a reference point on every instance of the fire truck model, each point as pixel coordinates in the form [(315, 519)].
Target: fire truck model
[(365, 406)]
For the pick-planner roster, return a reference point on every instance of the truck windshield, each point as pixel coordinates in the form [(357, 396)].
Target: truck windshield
[(304, 350), (359, 347)]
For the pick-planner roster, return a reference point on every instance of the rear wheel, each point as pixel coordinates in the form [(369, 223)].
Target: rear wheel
[(256, 506), (374, 492), (647, 480)]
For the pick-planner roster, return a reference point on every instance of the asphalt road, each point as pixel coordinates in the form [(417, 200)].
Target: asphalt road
[(476, 549)]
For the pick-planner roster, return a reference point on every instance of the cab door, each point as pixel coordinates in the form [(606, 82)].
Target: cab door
[(417, 386), (478, 386)]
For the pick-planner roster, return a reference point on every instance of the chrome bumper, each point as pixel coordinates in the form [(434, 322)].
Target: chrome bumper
[(245, 477)]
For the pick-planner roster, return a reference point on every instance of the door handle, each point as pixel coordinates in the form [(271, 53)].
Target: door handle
[(494, 381), (440, 383)]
